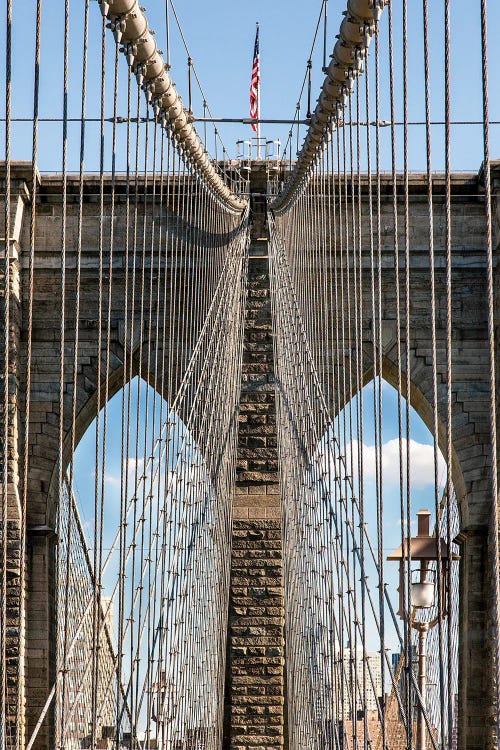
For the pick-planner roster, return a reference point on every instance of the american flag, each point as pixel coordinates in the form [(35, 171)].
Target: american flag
[(255, 82)]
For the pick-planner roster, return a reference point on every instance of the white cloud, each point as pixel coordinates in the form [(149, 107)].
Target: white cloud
[(133, 463), (130, 464), (421, 462), (112, 480)]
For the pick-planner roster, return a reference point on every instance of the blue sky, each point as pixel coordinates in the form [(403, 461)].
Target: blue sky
[(220, 37)]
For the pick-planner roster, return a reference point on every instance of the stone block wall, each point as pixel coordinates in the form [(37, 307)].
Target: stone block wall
[(255, 683), (257, 488), (11, 379), (256, 678)]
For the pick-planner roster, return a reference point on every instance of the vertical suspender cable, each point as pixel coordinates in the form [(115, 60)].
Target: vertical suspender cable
[(325, 31), (20, 728), (492, 360), (434, 345), (125, 422), (101, 675), (406, 582), (449, 361), (6, 371), (98, 499), (62, 330), (72, 436), (378, 370)]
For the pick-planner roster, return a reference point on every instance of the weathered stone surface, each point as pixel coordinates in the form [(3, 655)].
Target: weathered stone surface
[(255, 679), (256, 512), (255, 682)]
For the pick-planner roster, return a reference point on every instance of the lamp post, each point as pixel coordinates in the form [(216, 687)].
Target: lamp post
[(162, 709), (423, 549)]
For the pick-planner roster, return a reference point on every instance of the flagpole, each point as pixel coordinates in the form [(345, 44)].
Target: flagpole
[(258, 104)]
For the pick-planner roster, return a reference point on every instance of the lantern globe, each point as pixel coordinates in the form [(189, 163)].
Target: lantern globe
[(422, 594)]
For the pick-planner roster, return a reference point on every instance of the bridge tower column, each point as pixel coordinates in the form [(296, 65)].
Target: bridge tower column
[(255, 677), (477, 707), (12, 246)]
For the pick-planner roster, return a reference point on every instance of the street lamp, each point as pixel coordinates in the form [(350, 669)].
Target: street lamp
[(423, 549), (162, 709)]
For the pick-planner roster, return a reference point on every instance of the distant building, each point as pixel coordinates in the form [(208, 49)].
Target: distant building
[(78, 686), (349, 677), (355, 674), (107, 606), (401, 684)]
